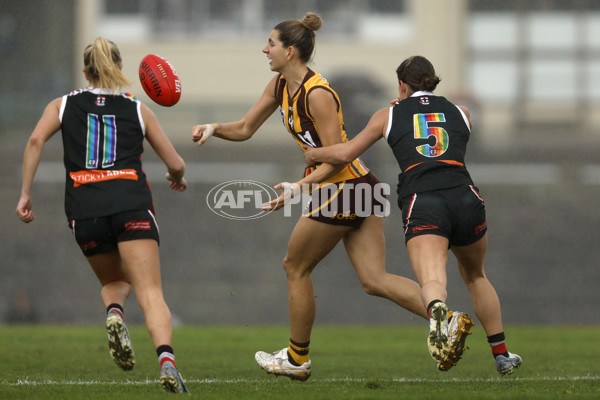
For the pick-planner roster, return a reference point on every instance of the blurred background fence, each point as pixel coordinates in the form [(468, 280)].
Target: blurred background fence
[(528, 70)]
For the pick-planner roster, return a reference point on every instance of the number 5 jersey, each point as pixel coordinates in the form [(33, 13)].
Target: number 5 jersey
[(428, 135)]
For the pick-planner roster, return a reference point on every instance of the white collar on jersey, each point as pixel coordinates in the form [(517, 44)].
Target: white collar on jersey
[(96, 90), (421, 93)]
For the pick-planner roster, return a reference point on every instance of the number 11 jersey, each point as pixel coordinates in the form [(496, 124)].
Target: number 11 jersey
[(103, 136)]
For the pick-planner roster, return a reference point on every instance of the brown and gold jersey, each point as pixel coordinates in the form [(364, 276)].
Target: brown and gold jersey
[(295, 113)]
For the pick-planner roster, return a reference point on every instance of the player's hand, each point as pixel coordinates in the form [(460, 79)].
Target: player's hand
[(393, 102), (178, 185), (289, 190), (308, 155), (201, 133), (24, 210)]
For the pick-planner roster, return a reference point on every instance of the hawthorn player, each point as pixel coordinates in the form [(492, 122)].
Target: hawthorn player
[(108, 201), (312, 114)]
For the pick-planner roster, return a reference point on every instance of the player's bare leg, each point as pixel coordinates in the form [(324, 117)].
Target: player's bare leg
[(116, 288), (428, 255), (485, 302), (141, 259), (309, 243), (483, 296), (366, 248)]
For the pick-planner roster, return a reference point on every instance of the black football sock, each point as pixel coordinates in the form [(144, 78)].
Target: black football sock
[(498, 345)]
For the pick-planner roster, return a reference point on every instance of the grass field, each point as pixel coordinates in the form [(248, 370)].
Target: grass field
[(349, 362)]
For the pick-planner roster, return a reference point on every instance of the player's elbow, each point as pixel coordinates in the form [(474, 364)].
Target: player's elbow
[(35, 142), (246, 134), (240, 131)]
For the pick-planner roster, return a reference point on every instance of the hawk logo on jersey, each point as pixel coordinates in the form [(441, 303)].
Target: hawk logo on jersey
[(291, 118), (100, 101), (424, 100)]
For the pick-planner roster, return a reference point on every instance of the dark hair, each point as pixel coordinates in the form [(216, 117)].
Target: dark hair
[(418, 73), (300, 34)]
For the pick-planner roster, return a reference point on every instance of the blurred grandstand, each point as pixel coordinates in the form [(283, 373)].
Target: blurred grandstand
[(529, 71)]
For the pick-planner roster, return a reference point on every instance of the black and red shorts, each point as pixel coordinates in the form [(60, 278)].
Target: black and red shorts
[(348, 202), (457, 214), (102, 234)]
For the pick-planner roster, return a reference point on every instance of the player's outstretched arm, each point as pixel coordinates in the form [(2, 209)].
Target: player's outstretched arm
[(344, 153)]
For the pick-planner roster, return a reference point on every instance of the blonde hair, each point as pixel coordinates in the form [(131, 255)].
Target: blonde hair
[(102, 62), (300, 34)]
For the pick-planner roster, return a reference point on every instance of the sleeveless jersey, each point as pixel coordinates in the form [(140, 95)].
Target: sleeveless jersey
[(428, 135), (103, 135), (296, 117)]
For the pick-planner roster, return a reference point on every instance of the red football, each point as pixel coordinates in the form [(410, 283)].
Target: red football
[(159, 80)]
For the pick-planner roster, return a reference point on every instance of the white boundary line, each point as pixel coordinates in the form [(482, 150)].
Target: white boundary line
[(27, 382)]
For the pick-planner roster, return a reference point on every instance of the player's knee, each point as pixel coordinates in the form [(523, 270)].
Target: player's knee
[(294, 269), (371, 288), (289, 267), (477, 283), (149, 299), (472, 277)]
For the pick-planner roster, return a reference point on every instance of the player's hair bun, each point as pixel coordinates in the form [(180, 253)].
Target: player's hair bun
[(312, 21), (429, 82)]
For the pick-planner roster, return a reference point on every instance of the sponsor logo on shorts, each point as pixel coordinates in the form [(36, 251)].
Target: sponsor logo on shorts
[(138, 226), (347, 215), (481, 228), (424, 228), (89, 245)]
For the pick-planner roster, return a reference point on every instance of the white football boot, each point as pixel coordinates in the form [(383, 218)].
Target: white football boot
[(278, 364), (507, 365)]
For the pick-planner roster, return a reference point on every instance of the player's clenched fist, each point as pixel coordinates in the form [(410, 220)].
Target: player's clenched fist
[(201, 133)]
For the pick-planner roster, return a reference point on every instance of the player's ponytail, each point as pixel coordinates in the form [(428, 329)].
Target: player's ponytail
[(418, 73), (102, 61), (300, 34)]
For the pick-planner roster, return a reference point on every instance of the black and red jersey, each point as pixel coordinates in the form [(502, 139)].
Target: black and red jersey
[(428, 135), (103, 134)]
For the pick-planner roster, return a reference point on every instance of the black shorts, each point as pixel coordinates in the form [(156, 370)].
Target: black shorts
[(101, 234), (457, 214), (348, 202)]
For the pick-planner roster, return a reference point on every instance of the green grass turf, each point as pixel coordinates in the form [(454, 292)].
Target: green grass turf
[(349, 362)]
